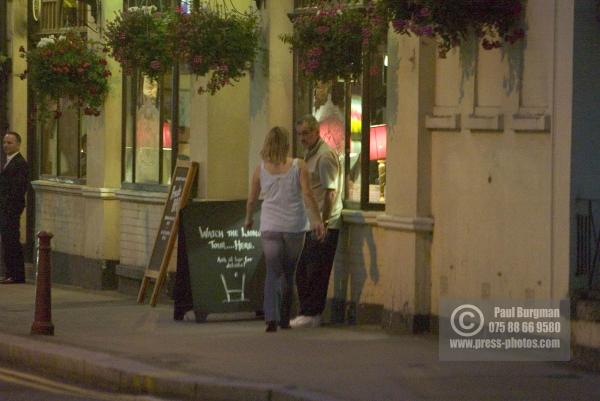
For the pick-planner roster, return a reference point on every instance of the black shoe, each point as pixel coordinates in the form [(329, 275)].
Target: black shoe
[(271, 326)]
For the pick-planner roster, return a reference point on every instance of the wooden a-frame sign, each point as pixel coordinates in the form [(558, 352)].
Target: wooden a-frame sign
[(181, 182)]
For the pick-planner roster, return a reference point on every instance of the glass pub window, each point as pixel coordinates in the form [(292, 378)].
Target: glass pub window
[(352, 117), (63, 144), (150, 139)]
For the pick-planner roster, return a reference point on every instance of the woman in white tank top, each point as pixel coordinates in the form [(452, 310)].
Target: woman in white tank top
[(284, 221)]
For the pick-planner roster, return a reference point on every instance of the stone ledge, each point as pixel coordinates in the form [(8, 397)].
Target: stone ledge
[(480, 123), (359, 217), (74, 189), (99, 193), (57, 187), (401, 223), (155, 198), (443, 122), (531, 123)]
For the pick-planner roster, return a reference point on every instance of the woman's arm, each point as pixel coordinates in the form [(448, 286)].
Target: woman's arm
[(252, 198), (311, 202)]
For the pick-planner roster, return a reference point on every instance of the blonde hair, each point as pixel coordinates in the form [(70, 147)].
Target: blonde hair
[(276, 146)]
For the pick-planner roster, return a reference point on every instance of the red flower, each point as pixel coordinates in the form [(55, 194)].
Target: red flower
[(155, 64)]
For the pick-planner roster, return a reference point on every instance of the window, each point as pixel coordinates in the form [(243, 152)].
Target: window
[(148, 140), (352, 117), (151, 129), (63, 144), (63, 140)]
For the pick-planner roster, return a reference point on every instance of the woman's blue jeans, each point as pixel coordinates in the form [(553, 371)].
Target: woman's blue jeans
[(282, 252)]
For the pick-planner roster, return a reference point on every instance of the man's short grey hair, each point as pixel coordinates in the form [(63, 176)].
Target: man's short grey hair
[(310, 121)]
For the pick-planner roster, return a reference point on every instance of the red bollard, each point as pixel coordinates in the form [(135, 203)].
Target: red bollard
[(43, 313)]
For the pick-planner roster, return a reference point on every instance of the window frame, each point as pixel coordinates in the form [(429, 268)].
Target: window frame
[(129, 102), (366, 102), (161, 185), (79, 179)]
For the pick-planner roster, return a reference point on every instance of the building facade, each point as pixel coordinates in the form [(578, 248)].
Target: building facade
[(490, 176)]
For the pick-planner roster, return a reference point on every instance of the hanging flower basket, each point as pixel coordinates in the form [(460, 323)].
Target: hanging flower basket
[(220, 43), (331, 39), (142, 38), (67, 66), (494, 22)]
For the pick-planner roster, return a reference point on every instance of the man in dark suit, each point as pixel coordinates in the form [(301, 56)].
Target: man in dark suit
[(14, 182)]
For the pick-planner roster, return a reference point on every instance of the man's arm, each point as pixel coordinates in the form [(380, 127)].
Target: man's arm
[(328, 174), (328, 205)]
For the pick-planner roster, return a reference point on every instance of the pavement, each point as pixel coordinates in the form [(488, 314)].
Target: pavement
[(106, 339)]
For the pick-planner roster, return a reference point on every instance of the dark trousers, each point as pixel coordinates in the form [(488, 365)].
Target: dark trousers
[(12, 249), (314, 269)]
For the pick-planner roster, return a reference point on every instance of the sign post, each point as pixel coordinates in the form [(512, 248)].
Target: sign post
[(181, 182)]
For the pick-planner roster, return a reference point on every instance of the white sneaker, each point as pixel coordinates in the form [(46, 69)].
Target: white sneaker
[(301, 321)]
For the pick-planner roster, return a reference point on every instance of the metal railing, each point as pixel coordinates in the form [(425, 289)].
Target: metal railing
[(587, 220)]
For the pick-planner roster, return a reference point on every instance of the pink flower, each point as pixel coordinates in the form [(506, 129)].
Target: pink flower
[(322, 29), (314, 52), (427, 31), (399, 24), (516, 8), (424, 12)]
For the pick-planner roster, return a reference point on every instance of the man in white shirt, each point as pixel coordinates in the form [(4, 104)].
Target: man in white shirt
[(316, 262)]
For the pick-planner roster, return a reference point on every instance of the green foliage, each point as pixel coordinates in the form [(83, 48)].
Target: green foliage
[(216, 42), (222, 44), (494, 22), (332, 38), (143, 39), (67, 67)]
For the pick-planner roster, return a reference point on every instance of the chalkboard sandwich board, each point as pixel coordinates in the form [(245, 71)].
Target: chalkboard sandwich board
[(224, 260), (181, 182)]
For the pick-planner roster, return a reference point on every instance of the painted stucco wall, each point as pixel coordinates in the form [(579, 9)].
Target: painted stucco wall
[(477, 174), (219, 135), (492, 177), (271, 95), (17, 101)]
